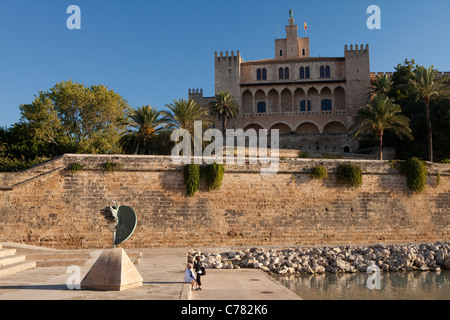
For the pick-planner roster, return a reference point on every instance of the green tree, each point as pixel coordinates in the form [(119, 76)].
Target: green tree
[(224, 108), (381, 115), (382, 85), (146, 133), (183, 113), (424, 86), (92, 118), (402, 73)]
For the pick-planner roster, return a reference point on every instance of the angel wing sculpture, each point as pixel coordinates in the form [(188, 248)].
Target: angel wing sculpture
[(121, 220)]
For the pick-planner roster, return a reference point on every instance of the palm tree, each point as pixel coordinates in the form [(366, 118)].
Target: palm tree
[(381, 85), (424, 86), (224, 108), (183, 113), (380, 115), (146, 133)]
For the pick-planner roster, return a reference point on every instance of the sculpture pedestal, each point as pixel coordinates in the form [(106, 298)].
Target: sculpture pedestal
[(113, 271)]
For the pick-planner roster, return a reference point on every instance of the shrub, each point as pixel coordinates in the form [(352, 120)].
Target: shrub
[(416, 174), (75, 167), (320, 173), (349, 174), (191, 178), (303, 154), (214, 175), (111, 166), (15, 165)]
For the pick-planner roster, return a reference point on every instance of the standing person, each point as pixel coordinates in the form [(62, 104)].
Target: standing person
[(189, 276), (198, 267)]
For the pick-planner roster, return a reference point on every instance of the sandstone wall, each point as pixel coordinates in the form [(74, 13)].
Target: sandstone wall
[(50, 206)]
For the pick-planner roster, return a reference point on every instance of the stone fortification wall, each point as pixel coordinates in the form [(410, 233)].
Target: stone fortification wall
[(50, 206)]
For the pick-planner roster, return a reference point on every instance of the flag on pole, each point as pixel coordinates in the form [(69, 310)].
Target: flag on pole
[(306, 27)]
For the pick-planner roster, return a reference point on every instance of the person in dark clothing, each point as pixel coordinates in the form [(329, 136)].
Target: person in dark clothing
[(198, 267)]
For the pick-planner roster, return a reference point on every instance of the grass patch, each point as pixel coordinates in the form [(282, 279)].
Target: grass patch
[(319, 173), (111, 166), (350, 175), (76, 167)]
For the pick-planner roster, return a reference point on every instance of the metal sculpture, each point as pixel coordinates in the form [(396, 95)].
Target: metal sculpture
[(121, 220)]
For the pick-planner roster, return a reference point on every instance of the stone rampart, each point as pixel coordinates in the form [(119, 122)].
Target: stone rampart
[(50, 206)]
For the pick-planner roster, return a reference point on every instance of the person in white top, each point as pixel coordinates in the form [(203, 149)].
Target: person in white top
[(189, 276)]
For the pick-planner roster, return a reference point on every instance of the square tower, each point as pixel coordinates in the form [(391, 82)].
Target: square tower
[(292, 47)]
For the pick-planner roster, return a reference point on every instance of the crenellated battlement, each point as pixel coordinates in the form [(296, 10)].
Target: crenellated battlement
[(195, 93), (357, 48), (228, 55)]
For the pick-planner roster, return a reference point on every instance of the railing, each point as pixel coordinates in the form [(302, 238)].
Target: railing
[(296, 113)]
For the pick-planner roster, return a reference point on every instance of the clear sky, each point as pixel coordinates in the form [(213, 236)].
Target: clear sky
[(151, 52)]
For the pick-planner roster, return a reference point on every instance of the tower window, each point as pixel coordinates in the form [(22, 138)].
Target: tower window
[(281, 53), (327, 72), (264, 74), (280, 73), (286, 73), (302, 73), (258, 74), (304, 52), (322, 72)]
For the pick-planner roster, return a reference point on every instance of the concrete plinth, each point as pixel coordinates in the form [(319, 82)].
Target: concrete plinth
[(113, 271)]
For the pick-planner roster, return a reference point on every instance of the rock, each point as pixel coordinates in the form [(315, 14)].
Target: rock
[(291, 270), (423, 268), (265, 269), (447, 263), (283, 270)]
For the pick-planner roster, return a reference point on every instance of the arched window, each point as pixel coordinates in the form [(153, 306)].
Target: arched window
[(261, 107), (322, 72), (304, 52), (327, 105), (286, 73), (302, 73), (264, 74), (307, 73), (327, 72), (304, 104), (280, 73), (258, 74)]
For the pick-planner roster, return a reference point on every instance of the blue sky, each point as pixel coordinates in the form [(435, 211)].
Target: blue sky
[(152, 52)]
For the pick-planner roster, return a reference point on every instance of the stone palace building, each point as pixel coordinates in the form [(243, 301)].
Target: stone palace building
[(312, 101)]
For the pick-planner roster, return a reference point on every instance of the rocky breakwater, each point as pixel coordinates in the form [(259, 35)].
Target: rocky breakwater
[(337, 259)]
